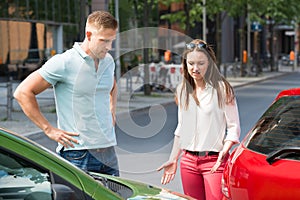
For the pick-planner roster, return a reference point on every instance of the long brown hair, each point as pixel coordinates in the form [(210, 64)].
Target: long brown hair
[(212, 77)]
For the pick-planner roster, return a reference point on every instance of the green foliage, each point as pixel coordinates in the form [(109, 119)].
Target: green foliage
[(235, 8), (280, 11), (191, 14), (125, 14), (132, 13), (178, 17), (283, 11)]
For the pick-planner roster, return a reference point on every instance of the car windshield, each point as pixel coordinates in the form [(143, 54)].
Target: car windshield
[(278, 128), (21, 180)]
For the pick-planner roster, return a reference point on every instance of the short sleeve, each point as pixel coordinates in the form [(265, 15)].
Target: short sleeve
[(53, 70)]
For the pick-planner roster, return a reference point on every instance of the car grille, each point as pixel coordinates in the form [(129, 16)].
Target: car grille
[(122, 190)]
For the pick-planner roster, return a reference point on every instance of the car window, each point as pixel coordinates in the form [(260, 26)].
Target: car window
[(278, 128), (20, 180)]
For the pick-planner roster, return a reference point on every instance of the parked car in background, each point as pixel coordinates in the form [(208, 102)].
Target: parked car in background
[(284, 60), (31, 172), (266, 165)]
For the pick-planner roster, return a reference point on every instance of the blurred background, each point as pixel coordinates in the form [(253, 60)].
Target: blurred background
[(249, 37)]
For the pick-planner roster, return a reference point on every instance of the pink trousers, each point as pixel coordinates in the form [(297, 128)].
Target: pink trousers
[(197, 180)]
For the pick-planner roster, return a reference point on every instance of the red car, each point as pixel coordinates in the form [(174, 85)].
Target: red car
[(266, 165)]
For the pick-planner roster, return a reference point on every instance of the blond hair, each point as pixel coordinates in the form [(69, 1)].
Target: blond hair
[(100, 19)]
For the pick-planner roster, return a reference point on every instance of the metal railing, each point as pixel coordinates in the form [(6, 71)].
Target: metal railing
[(9, 99)]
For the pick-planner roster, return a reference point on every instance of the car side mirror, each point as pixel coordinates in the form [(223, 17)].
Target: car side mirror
[(62, 192)]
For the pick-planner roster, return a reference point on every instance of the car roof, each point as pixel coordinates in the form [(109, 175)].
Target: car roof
[(288, 92)]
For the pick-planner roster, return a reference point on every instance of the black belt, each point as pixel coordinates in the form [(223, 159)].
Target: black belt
[(202, 153)]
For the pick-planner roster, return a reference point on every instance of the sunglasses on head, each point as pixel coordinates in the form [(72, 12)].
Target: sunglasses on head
[(192, 46)]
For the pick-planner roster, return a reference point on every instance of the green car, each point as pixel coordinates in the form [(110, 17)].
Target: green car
[(31, 172)]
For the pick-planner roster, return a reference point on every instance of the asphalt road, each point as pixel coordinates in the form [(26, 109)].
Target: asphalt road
[(254, 99), (145, 138)]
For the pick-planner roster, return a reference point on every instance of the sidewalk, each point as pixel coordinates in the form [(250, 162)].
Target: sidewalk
[(126, 102)]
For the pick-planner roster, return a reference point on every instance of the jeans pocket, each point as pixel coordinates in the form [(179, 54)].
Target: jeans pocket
[(74, 154), (107, 156)]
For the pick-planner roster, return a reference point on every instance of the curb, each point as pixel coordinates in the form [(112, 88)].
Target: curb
[(128, 112), (262, 79), (157, 103)]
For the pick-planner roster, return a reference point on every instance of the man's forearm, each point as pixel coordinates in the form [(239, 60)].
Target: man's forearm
[(31, 109)]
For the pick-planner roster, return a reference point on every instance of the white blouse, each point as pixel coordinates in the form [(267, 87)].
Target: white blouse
[(206, 127)]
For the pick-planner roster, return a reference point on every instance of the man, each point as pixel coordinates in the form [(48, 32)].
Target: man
[(85, 95)]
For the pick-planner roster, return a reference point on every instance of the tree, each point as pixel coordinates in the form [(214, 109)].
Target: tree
[(144, 15), (279, 11), (192, 14), (186, 18)]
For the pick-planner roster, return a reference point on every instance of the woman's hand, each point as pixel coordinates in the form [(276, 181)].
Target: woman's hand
[(170, 168), (219, 162), (223, 153)]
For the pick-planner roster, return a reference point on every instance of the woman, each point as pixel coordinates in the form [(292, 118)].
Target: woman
[(208, 124)]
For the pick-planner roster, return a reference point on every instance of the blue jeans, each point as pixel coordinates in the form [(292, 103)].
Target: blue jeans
[(102, 160)]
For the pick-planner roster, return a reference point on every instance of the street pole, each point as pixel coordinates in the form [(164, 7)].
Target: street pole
[(296, 46), (204, 19), (117, 46), (248, 37)]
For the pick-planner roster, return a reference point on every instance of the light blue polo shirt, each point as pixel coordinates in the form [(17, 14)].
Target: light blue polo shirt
[(82, 96)]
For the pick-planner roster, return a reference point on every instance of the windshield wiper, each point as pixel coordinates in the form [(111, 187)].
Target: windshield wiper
[(283, 152)]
